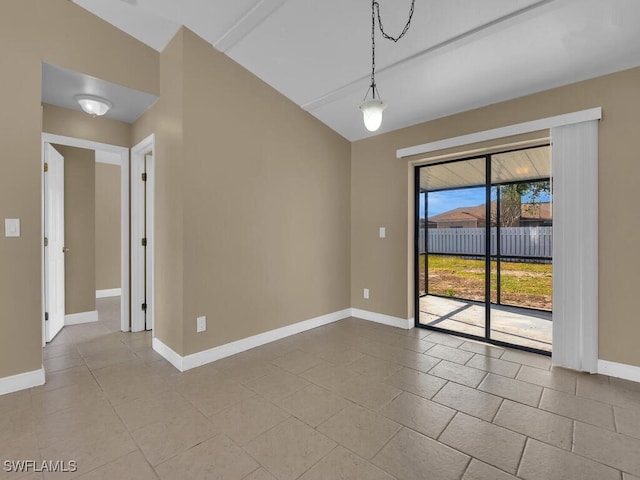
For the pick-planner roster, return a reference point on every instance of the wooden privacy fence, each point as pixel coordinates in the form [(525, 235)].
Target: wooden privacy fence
[(529, 242)]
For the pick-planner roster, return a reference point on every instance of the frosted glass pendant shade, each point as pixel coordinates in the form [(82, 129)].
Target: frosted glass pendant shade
[(372, 113), (93, 105)]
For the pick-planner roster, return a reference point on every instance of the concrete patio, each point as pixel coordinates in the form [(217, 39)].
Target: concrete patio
[(517, 326)]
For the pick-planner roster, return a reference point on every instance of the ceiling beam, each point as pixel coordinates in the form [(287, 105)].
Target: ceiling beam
[(247, 23), (356, 84)]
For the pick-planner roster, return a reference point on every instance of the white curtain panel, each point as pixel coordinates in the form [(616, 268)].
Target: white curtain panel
[(575, 249)]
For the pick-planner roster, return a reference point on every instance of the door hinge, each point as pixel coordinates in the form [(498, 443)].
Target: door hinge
[(46, 242), (46, 167), (144, 177), (144, 307), (46, 316), (144, 242)]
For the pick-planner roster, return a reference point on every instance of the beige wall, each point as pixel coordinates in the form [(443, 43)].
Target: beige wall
[(266, 205), (75, 124), (259, 191), (165, 119), (61, 33), (381, 186), (79, 229), (107, 222)]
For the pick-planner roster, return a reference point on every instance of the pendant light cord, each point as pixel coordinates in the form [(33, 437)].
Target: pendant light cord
[(375, 5)]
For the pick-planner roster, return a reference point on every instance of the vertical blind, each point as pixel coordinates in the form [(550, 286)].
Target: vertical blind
[(575, 236)]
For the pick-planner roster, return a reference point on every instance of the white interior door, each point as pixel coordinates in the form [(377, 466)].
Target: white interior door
[(54, 241), (141, 241)]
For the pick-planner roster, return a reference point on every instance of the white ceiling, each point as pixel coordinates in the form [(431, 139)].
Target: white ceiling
[(457, 55)]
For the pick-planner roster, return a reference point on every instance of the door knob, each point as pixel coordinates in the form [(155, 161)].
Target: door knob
[(65, 250)]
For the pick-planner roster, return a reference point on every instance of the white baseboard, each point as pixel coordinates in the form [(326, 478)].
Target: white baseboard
[(404, 323), (109, 292), (198, 359), (21, 381), (168, 353), (619, 370), (82, 317), (216, 353)]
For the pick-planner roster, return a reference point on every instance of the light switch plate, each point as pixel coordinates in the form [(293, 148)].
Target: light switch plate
[(201, 324), (11, 227), (383, 232)]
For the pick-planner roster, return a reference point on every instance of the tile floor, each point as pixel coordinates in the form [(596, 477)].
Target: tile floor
[(351, 400)]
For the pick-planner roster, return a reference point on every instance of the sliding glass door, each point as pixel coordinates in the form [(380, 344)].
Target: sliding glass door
[(484, 247)]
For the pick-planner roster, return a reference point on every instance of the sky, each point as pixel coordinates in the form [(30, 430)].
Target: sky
[(440, 202), (444, 201)]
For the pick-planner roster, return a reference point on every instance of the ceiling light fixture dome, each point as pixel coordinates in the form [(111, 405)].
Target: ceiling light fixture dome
[(372, 109), (93, 105)]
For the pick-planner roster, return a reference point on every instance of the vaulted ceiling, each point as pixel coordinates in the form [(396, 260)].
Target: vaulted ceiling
[(457, 54)]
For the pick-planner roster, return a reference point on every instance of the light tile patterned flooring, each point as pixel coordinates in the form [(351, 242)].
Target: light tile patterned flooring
[(351, 400)]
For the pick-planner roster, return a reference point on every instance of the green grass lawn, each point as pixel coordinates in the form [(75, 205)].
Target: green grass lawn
[(521, 284)]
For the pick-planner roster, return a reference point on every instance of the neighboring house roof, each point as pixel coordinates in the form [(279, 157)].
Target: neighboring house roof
[(530, 211), (461, 214)]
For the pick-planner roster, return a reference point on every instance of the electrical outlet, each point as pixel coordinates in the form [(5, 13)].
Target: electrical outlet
[(201, 324), (382, 232), (366, 293)]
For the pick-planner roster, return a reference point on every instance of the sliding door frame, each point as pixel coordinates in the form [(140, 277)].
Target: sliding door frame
[(487, 254)]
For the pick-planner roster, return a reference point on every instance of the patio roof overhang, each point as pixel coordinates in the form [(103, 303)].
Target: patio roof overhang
[(515, 166)]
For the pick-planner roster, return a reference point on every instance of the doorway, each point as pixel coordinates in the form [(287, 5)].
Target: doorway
[(52, 287), (484, 248)]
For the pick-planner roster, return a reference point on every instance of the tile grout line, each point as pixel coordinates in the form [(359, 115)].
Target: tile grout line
[(498, 411), (437, 439), (518, 372), (446, 382), (385, 444), (466, 468), (539, 398), (254, 471), (321, 458), (524, 449)]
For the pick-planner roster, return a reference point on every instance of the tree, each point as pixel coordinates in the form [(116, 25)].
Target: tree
[(511, 200)]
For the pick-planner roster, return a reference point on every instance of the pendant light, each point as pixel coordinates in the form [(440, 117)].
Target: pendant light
[(372, 109)]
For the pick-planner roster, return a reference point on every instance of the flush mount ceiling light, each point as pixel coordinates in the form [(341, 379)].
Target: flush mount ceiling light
[(93, 105), (372, 109)]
